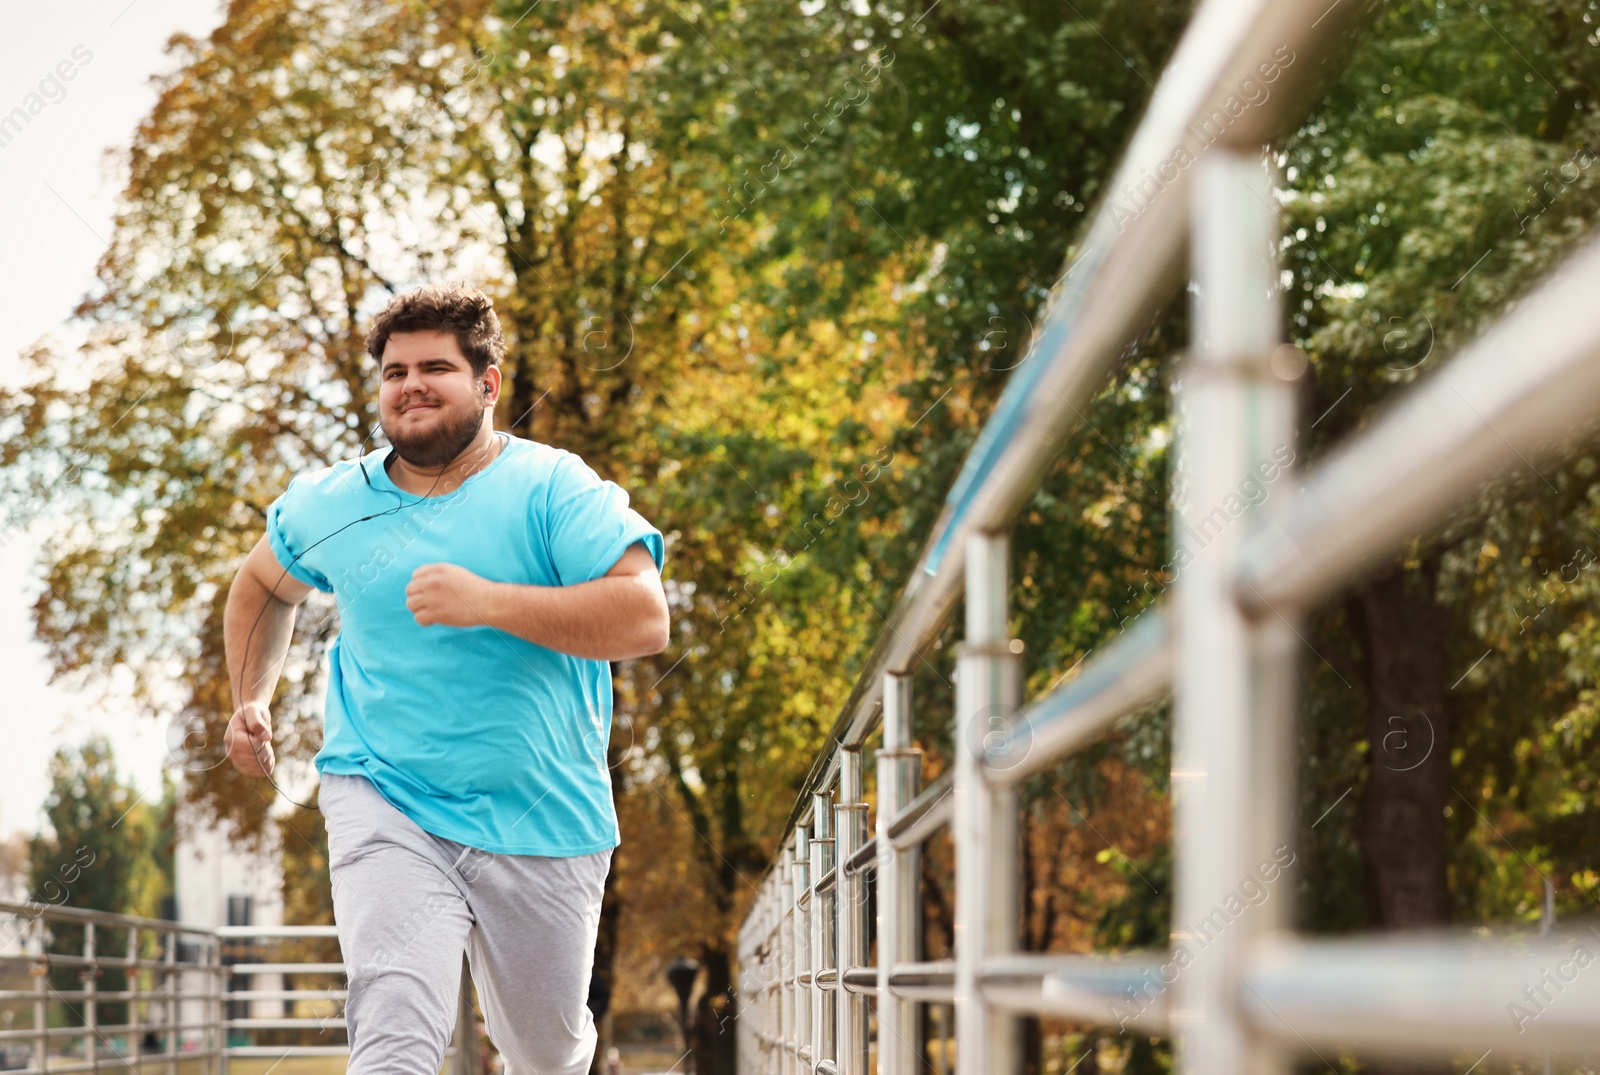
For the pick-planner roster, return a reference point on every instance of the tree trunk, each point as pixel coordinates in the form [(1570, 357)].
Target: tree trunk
[(1401, 823), (712, 1035), (602, 976)]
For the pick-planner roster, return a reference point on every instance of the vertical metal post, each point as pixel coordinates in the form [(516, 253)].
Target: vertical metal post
[(787, 1035), (131, 985), (899, 878), (824, 1006), (770, 997), (764, 995), (985, 819), (170, 988), (218, 1031), (800, 944), (1232, 762), (88, 974), (850, 826), (749, 1022), (41, 993)]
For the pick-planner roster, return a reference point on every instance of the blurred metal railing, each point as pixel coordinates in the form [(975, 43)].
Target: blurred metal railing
[(1235, 988), (171, 990), (179, 989)]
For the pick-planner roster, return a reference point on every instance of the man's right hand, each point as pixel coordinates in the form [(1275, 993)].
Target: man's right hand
[(248, 740)]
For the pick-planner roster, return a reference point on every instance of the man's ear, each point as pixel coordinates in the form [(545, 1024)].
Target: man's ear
[(491, 383)]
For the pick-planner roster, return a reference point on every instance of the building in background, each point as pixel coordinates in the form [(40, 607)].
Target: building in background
[(219, 883)]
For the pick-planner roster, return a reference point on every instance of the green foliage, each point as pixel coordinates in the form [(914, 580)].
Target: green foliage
[(107, 848), (1445, 171)]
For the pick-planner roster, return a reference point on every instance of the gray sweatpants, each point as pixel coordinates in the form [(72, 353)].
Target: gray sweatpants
[(408, 903)]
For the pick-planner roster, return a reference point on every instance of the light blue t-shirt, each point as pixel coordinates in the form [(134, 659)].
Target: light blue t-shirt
[(475, 734)]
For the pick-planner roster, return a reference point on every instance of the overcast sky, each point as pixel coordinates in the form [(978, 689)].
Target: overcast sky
[(56, 202)]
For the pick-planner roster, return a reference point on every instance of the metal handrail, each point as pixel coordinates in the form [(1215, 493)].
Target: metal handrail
[(168, 1009), (1250, 993), (1118, 276), (168, 998), (1472, 420)]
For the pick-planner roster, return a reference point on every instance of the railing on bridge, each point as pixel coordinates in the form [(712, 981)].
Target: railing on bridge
[(1239, 993), (183, 1013)]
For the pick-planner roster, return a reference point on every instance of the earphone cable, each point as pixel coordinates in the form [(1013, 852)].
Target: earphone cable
[(244, 662)]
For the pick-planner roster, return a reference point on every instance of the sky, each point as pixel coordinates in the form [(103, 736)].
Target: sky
[(91, 64)]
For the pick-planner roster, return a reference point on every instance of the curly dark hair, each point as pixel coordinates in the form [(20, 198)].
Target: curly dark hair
[(453, 306)]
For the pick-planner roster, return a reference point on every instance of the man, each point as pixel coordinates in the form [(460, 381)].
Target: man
[(483, 583)]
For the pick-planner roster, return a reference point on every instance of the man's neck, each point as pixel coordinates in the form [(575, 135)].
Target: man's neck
[(438, 481)]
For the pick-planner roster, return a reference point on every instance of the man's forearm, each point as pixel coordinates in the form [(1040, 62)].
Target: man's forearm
[(615, 618), (256, 630)]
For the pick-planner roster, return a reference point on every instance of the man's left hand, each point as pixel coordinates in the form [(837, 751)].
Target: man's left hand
[(447, 594)]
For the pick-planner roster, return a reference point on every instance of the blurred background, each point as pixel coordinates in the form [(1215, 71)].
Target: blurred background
[(767, 265)]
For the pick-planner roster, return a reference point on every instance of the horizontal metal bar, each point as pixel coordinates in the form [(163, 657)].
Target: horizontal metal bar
[(934, 982), (925, 815), (229, 932), (826, 1067), (28, 1034), (20, 996), (826, 882), (103, 918), (68, 959), (1503, 402), (861, 980), (1126, 990), (1131, 672), (113, 1061), (28, 995), (864, 859), (286, 1022), (1128, 264), (1429, 994)]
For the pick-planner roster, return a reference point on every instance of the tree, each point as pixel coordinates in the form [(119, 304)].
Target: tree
[(106, 849)]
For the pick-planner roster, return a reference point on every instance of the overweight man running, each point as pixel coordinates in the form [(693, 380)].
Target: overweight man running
[(483, 583)]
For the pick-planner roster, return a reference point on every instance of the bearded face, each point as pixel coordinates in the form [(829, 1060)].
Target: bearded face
[(429, 403)]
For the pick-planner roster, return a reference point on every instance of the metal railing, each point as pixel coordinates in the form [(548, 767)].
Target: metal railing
[(1239, 992), (178, 990)]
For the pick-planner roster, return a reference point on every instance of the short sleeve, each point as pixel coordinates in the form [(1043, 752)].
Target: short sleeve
[(285, 533), (590, 524)]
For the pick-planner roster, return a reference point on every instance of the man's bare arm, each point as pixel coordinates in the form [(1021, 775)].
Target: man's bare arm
[(614, 618), (257, 626)]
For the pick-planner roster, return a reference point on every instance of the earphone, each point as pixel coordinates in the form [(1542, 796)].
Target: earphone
[(272, 594)]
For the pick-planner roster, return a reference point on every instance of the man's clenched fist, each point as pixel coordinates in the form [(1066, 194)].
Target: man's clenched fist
[(248, 740), (447, 594)]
